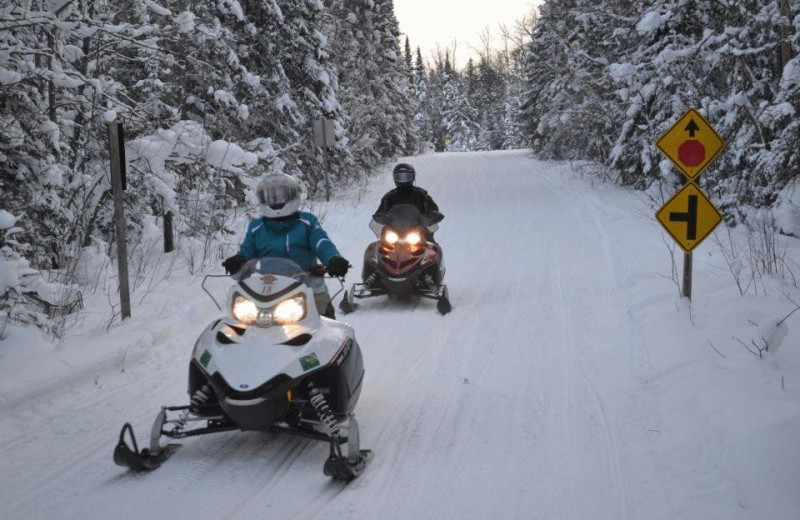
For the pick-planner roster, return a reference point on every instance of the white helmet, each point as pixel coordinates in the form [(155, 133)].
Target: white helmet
[(279, 195)]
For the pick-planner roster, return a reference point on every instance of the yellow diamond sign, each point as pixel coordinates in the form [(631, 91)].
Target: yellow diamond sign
[(691, 144), (689, 217)]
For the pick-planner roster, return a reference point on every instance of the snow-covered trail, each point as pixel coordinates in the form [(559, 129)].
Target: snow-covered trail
[(527, 401), (492, 411)]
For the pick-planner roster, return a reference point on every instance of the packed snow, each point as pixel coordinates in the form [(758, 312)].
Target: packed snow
[(569, 381)]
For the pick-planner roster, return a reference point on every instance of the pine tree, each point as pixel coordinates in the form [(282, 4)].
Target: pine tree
[(459, 118), (375, 90), (409, 62), (421, 117)]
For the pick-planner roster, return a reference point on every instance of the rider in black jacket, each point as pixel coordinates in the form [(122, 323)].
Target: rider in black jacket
[(406, 193)]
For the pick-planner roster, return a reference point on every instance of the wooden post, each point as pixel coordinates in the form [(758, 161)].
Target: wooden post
[(687, 276), (325, 138), (327, 177), (168, 235), (119, 218)]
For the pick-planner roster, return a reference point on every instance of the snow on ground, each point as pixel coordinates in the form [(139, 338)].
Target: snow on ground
[(570, 380)]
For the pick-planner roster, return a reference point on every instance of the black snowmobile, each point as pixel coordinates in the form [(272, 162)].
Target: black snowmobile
[(404, 261)]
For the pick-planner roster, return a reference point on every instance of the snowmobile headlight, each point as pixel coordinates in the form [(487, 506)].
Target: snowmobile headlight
[(391, 237), (244, 310), (413, 238), (290, 310)]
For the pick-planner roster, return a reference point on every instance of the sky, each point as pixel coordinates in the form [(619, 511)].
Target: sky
[(428, 22)]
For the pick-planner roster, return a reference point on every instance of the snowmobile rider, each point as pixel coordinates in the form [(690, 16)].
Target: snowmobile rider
[(406, 193), (285, 231)]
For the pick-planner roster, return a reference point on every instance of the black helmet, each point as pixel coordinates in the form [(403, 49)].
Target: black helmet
[(404, 175)]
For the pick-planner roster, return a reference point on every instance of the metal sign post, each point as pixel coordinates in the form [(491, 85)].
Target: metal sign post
[(116, 151), (686, 290), (325, 138), (689, 216)]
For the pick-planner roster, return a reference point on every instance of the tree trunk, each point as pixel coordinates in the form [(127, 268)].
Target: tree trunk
[(786, 47), (51, 88)]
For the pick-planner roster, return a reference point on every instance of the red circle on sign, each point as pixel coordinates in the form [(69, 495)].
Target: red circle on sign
[(692, 153)]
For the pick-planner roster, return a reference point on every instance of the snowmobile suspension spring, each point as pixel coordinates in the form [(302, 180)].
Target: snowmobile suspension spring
[(370, 279), (431, 283), (320, 405), (200, 397)]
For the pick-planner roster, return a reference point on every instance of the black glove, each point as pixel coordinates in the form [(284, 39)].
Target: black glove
[(233, 264), (317, 270), (338, 266)]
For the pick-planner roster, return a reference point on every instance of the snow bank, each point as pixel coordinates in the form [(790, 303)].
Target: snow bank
[(771, 333), (787, 209), (93, 264)]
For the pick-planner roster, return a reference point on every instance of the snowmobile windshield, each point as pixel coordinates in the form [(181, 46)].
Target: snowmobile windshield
[(404, 217), (272, 265)]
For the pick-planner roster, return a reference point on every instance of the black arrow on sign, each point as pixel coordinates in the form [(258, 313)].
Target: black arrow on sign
[(692, 128), (690, 217)]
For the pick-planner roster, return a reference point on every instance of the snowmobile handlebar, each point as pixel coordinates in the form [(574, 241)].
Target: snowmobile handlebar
[(203, 285)]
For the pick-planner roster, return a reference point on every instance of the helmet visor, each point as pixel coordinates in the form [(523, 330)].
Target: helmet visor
[(278, 194), (404, 177)]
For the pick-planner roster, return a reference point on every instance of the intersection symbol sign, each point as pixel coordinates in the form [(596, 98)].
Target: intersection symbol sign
[(689, 217), (691, 144)]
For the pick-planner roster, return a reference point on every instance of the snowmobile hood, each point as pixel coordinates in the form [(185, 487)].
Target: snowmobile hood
[(248, 357)]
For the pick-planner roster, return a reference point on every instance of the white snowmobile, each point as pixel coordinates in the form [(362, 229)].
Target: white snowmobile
[(272, 364)]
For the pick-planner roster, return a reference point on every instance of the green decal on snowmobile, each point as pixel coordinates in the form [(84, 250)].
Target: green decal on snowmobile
[(205, 358), (310, 361)]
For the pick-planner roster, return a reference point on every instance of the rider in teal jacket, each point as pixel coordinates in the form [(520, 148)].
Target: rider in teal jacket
[(285, 231), (298, 237)]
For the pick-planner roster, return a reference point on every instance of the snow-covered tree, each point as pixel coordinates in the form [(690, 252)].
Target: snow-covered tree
[(374, 87), (605, 80), (422, 116), (459, 118)]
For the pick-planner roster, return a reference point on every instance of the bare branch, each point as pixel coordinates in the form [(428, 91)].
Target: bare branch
[(745, 346), (715, 349)]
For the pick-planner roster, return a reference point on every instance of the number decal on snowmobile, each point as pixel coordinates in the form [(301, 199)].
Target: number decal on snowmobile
[(308, 362), (268, 281), (205, 358)]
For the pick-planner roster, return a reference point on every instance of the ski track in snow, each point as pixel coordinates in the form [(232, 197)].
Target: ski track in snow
[(524, 403)]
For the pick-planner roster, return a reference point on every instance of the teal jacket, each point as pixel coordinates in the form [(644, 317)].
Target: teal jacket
[(300, 238)]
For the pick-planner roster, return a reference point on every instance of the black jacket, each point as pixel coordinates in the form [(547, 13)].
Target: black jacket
[(409, 195)]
